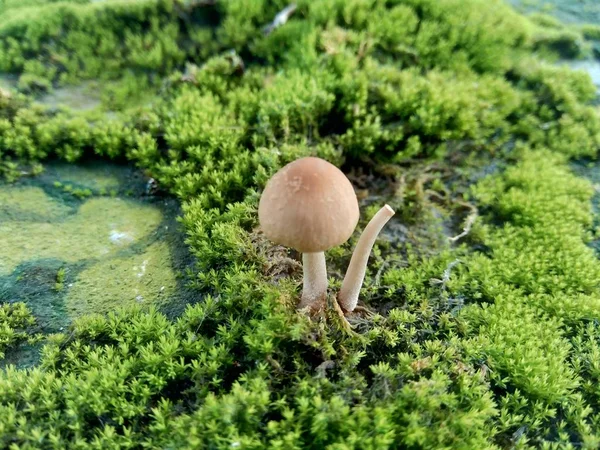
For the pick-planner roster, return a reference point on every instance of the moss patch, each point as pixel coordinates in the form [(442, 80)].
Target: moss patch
[(460, 119)]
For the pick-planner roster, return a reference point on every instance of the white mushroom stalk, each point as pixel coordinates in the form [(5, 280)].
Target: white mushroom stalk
[(355, 275), (314, 289)]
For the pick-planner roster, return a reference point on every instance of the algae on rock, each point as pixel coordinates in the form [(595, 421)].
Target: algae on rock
[(29, 204), (100, 228), (66, 256), (145, 279)]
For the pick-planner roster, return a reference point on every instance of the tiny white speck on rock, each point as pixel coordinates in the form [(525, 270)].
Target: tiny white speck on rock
[(142, 269), (119, 238)]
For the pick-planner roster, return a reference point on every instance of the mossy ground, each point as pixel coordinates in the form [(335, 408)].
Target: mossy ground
[(452, 111)]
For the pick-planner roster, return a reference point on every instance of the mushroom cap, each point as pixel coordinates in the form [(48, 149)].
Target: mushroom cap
[(308, 205)]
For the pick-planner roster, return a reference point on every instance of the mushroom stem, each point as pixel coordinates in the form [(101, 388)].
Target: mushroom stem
[(355, 274), (315, 281)]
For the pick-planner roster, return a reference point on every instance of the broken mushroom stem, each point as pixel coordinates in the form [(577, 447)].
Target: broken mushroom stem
[(355, 275), (314, 289)]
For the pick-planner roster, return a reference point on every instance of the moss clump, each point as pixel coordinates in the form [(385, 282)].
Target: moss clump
[(60, 279), (485, 341), (16, 323), (591, 32)]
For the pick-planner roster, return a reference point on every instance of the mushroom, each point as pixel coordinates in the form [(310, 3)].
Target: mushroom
[(355, 275), (309, 205)]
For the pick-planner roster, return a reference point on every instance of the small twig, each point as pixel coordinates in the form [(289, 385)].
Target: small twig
[(446, 275), (400, 188), (280, 19), (324, 367), (468, 225), (431, 193), (517, 435), (274, 363), (363, 48), (420, 184)]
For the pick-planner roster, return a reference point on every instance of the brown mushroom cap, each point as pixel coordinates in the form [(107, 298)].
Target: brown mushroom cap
[(308, 205)]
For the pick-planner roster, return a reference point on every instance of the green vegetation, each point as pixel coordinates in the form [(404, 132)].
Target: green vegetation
[(455, 118), (16, 326), (60, 279)]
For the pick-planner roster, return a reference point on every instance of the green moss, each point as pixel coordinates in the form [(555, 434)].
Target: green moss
[(16, 322), (591, 31), (489, 340), (60, 279)]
